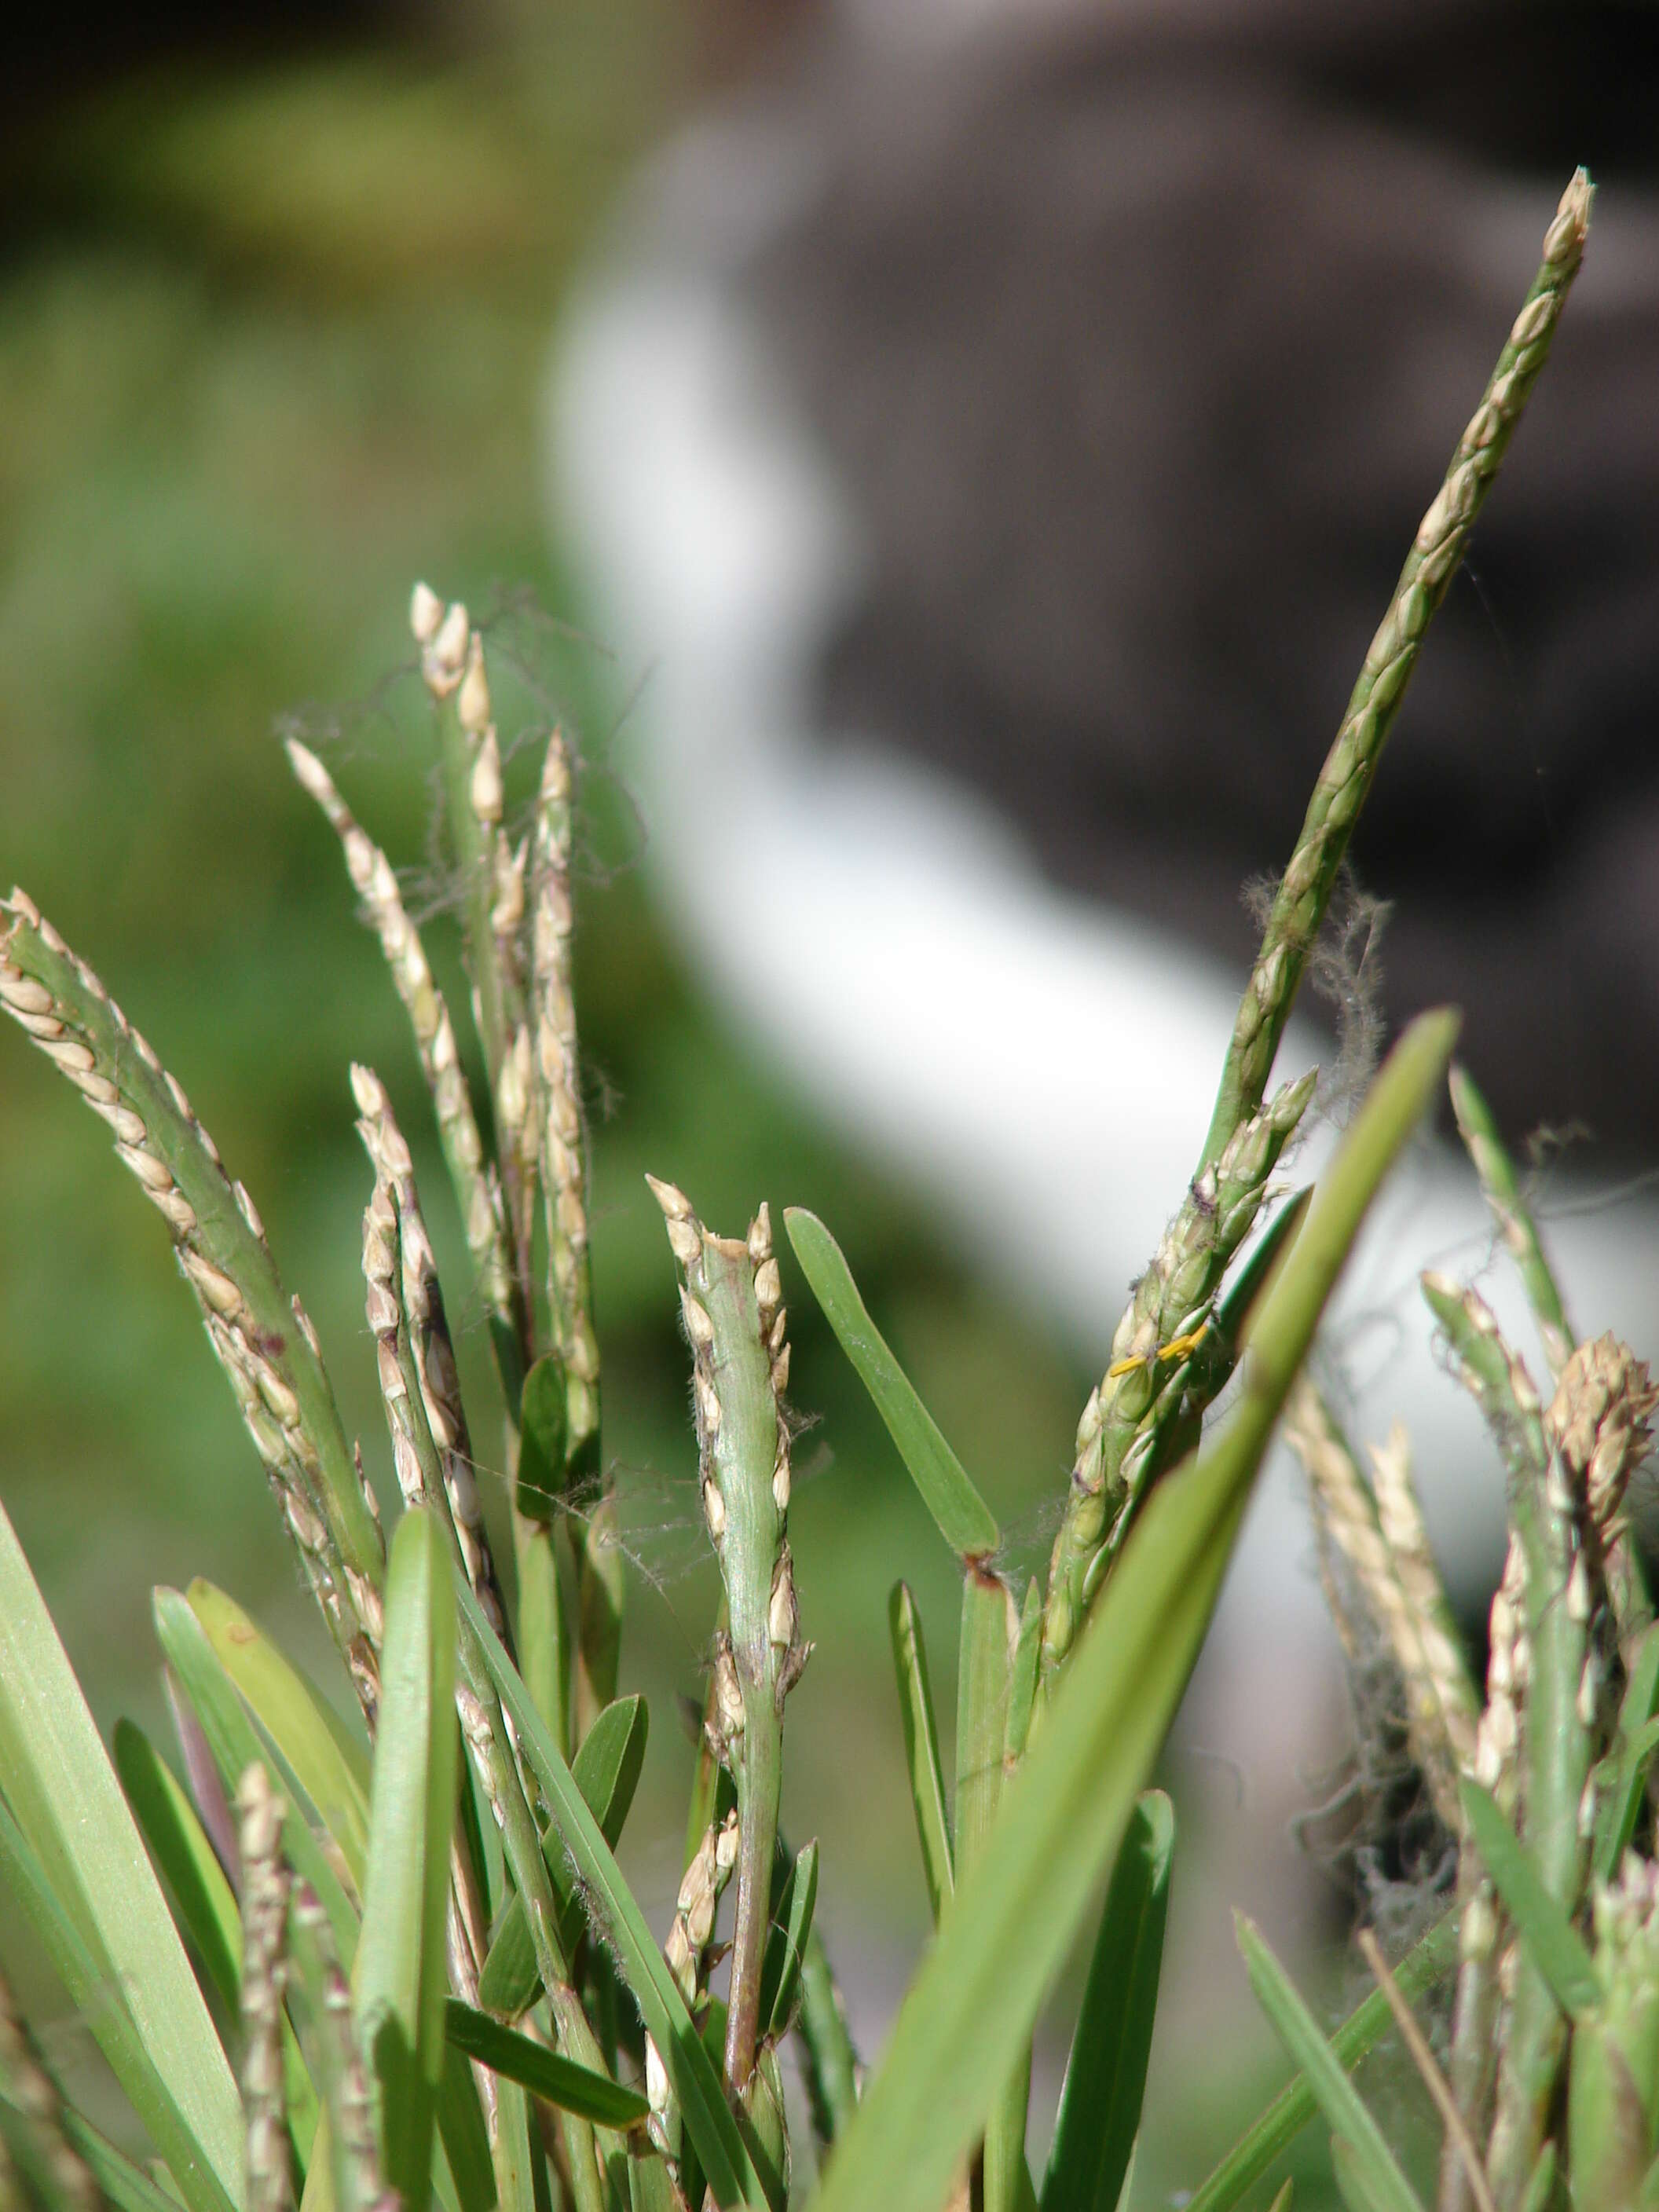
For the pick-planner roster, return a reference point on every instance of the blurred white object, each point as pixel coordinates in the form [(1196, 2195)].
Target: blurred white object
[(1039, 1065)]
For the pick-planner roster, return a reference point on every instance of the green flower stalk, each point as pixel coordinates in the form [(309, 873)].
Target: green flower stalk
[(732, 1306), (1501, 1186), (477, 1190), (562, 1147), (264, 1340), (1117, 1449)]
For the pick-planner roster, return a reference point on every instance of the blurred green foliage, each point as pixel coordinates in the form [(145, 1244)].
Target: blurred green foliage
[(272, 346)]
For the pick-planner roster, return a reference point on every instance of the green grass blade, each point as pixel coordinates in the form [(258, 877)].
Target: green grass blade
[(558, 2080), (203, 1899), (829, 2066), (465, 2137), (400, 1974), (1619, 1804), (1428, 1961), (1501, 1186), (607, 1771), (985, 1655), (1063, 1816), (324, 1758), (921, 1747), (126, 2186), (57, 1778), (1099, 2114), (235, 1744), (1371, 2166), (1557, 1949), (96, 1997), (787, 1945), (206, 1903), (965, 1521), (726, 2163)]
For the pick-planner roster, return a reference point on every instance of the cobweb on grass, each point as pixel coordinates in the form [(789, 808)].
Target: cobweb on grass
[(1345, 970)]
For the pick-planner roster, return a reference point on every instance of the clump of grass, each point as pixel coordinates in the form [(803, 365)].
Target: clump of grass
[(419, 1952)]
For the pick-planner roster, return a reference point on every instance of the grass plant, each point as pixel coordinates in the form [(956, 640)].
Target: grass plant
[(412, 1968)]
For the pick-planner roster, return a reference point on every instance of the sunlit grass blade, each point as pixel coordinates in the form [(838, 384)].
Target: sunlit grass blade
[(965, 1521), (1099, 2114), (235, 1744), (399, 1975), (787, 1945), (921, 1747), (1370, 2164), (1555, 1946), (96, 1997), (607, 1771), (558, 2080), (57, 1778), (1064, 1814), (324, 1758), (1428, 1961), (726, 2160)]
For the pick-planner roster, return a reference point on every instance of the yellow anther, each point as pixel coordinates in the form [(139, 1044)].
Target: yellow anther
[(1178, 1347)]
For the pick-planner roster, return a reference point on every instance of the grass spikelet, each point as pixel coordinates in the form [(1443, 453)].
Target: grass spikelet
[(1442, 1741), (265, 1886), (433, 1349), (483, 1725), (1117, 1420), (477, 1191), (264, 1340), (733, 1304)]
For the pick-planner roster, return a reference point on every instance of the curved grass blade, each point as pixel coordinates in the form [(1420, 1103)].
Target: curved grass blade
[(921, 1747), (965, 1521), (557, 2080), (1557, 1949), (1099, 2114), (324, 1758), (96, 1997), (400, 1973), (1064, 1814), (1367, 2167), (1432, 1958), (235, 1745), (57, 1778), (786, 1944), (607, 1771), (726, 2162)]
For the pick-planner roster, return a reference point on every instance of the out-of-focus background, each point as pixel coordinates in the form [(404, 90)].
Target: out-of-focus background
[(275, 317)]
